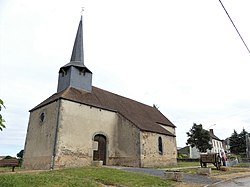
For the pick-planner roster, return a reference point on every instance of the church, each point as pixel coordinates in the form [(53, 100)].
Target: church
[(82, 124)]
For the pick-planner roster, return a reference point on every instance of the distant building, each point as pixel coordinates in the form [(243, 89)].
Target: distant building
[(81, 123), (226, 145), (216, 143)]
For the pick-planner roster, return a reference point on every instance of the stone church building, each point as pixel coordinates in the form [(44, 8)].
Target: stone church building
[(81, 123)]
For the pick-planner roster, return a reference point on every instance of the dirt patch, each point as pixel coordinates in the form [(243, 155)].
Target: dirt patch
[(21, 171)]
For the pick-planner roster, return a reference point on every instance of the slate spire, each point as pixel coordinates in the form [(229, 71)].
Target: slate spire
[(75, 73), (77, 52)]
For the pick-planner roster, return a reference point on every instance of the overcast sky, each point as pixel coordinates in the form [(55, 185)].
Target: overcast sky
[(184, 56)]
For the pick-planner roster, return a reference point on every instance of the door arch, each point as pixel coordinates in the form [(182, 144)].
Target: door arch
[(100, 153)]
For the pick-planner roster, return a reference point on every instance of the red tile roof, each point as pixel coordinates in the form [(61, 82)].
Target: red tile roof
[(145, 117)]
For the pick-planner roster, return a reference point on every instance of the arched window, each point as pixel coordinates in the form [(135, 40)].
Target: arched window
[(160, 145)]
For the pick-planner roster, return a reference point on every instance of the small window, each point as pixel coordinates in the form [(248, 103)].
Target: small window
[(42, 117), (160, 145), (82, 72)]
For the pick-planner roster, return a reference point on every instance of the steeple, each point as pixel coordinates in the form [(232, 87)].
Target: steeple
[(75, 73), (77, 53)]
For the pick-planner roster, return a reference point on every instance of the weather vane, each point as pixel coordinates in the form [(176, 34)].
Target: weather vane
[(82, 10)]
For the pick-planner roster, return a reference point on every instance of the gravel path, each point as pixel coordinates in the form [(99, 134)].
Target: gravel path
[(188, 178)]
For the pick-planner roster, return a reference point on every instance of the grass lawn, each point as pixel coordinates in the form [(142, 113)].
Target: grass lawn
[(216, 172), (182, 164), (185, 164), (243, 165), (86, 176)]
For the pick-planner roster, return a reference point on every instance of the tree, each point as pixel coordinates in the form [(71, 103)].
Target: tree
[(20, 154), (242, 141), (238, 142), (234, 142), (199, 138), (1, 117)]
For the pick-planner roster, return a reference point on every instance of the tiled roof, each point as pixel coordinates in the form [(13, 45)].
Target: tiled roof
[(145, 117)]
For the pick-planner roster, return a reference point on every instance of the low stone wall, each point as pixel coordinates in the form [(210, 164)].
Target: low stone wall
[(203, 171), (232, 162), (173, 175), (97, 163)]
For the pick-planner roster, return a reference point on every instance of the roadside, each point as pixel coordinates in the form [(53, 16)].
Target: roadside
[(242, 181), (188, 179), (191, 179), (231, 179)]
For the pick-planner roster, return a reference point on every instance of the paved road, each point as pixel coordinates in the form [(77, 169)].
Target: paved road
[(190, 178), (236, 182)]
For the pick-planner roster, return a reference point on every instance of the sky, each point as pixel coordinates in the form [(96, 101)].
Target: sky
[(183, 56)]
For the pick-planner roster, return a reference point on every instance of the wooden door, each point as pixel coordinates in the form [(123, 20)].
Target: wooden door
[(100, 153)]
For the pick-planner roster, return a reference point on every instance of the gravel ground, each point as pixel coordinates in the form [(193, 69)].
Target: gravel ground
[(187, 178)]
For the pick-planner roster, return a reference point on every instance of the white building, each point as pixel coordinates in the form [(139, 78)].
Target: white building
[(216, 143)]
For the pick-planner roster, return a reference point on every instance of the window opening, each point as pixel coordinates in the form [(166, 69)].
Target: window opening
[(160, 145), (41, 117)]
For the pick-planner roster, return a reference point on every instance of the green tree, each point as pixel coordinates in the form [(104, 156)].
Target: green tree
[(1, 117), (234, 142), (238, 142), (242, 141), (199, 138), (20, 154)]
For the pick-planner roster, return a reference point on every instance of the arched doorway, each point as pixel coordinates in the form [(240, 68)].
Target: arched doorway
[(100, 153)]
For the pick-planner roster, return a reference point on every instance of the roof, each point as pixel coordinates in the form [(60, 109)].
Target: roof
[(214, 137), (77, 53), (145, 117), (77, 56), (78, 65)]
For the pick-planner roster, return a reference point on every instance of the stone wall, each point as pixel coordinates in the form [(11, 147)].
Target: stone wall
[(127, 144), (40, 137), (73, 145), (80, 123), (150, 154)]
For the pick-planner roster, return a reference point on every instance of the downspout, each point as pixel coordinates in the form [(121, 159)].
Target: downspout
[(56, 134)]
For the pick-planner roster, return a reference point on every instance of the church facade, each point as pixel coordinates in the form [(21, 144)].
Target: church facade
[(82, 123)]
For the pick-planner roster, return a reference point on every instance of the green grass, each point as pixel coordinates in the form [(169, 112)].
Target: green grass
[(86, 176), (9, 169), (216, 172), (181, 164), (185, 164), (243, 165)]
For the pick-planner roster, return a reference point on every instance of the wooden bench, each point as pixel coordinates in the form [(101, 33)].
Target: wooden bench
[(9, 162)]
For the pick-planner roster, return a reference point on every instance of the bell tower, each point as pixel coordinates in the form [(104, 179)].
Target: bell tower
[(75, 73)]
